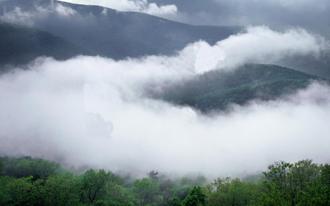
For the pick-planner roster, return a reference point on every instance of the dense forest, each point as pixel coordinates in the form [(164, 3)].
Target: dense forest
[(28, 181)]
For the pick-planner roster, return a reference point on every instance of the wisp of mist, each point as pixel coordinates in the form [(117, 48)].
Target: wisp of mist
[(93, 111)]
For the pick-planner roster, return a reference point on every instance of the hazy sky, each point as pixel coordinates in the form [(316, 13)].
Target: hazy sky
[(310, 14), (144, 6)]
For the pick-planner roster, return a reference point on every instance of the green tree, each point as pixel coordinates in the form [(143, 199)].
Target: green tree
[(61, 190), (24, 191), (26, 166), (325, 185), (4, 190), (175, 202), (118, 195), (196, 197), (291, 184), (147, 192), (228, 192), (94, 185), (1, 167)]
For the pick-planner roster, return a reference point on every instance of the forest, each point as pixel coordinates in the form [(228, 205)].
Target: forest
[(28, 181)]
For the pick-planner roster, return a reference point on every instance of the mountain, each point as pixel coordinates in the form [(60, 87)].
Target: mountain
[(100, 31), (319, 65), (217, 90), (20, 45), (111, 33)]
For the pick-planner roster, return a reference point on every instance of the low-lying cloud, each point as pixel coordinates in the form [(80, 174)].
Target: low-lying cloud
[(168, 10), (91, 111), (28, 18), (255, 45)]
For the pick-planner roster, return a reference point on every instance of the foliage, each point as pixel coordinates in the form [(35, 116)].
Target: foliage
[(94, 185), (292, 184), (196, 197), (147, 191), (62, 190), (232, 192), (1, 167), (26, 166), (27, 181)]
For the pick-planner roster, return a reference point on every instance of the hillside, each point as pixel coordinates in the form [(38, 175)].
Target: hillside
[(20, 45), (115, 34), (217, 90)]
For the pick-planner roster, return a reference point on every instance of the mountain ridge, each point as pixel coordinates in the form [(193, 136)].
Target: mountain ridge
[(119, 35), (218, 90), (20, 45)]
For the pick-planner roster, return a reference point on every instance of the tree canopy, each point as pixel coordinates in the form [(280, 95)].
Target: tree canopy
[(28, 181)]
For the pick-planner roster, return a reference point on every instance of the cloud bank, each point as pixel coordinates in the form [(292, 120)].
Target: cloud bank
[(256, 45), (169, 10), (92, 111)]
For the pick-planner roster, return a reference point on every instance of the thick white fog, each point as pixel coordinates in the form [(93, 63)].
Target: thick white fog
[(256, 44), (91, 111)]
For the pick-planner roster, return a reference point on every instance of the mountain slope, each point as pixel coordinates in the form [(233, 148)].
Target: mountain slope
[(319, 65), (217, 90), (114, 34), (20, 45)]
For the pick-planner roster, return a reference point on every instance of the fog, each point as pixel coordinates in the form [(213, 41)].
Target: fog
[(168, 10), (29, 18), (256, 45), (93, 112)]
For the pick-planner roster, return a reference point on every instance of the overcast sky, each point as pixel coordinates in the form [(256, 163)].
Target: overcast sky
[(310, 14)]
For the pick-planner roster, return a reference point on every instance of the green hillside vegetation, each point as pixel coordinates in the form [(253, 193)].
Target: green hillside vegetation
[(216, 90), (27, 181)]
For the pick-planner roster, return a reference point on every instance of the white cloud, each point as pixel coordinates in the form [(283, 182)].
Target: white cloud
[(163, 11), (19, 16), (132, 5), (92, 111), (256, 45), (64, 11), (89, 111)]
